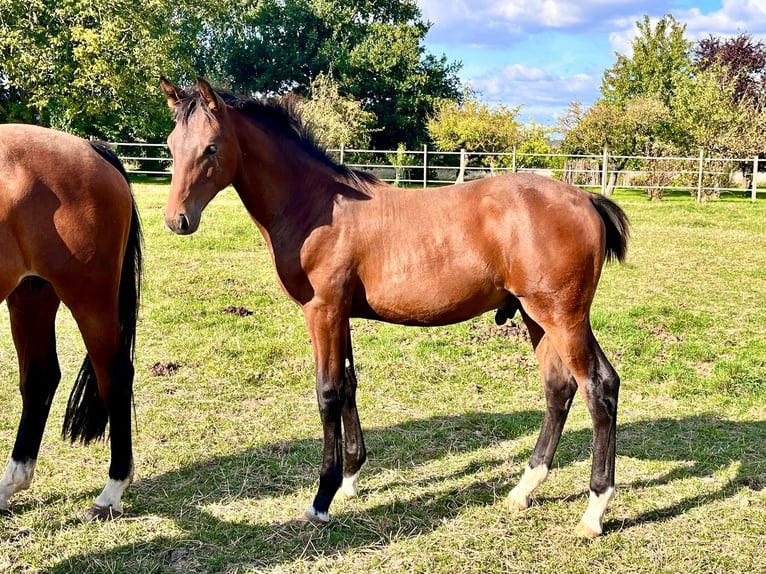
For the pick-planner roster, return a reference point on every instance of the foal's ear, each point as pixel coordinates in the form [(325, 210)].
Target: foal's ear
[(209, 95), (173, 93)]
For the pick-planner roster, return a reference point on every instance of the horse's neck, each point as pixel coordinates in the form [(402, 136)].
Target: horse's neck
[(277, 181)]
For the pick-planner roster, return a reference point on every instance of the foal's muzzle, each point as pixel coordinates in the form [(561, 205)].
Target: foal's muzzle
[(179, 224)]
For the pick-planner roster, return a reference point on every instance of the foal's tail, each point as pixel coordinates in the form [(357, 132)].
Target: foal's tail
[(617, 226), (86, 414)]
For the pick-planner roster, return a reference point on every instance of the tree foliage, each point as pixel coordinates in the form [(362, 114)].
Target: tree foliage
[(661, 57), (92, 67), (742, 60), (373, 49), (89, 67), (335, 120), (672, 97), (474, 126)]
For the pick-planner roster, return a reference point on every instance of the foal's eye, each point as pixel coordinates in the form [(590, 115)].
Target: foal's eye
[(211, 149)]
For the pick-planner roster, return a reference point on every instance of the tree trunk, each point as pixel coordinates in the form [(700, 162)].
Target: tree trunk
[(611, 183)]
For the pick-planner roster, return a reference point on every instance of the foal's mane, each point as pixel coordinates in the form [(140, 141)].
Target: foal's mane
[(281, 114)]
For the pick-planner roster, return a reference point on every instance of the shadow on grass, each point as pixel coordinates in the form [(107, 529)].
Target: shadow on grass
[(702, 445)]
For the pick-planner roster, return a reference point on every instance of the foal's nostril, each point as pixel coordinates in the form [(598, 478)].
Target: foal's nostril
[(183, 223)]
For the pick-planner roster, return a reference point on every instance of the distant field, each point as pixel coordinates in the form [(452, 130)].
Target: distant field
[(228, 436)]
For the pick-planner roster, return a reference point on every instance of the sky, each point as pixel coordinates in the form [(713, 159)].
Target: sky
[(543, 54)]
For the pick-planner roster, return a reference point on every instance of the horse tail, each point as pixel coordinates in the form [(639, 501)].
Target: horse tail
[(86, 414), (617, 227)]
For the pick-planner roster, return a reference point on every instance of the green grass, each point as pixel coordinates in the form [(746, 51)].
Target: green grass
[(228, 439)]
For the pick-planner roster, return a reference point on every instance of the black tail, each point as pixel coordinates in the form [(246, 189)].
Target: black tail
[(617, 226), (86, 414)]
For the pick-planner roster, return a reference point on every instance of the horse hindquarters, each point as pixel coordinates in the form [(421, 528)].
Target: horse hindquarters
[(32, 307)]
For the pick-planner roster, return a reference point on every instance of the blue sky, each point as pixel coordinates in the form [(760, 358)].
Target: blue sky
[(542, 54)]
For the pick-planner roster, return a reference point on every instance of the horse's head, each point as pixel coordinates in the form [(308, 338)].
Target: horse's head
[(205, 152)]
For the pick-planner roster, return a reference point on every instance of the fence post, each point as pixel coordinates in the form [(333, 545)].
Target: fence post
[(425, 166), (341, 153), (604, 171), (463, 161), (755, 173), (514, 158), (699, 177)]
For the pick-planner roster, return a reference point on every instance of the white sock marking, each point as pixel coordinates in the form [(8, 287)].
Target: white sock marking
[(18, 476), (312, 515), (596, 508), (533, 477), (111, 496), (350, 486)]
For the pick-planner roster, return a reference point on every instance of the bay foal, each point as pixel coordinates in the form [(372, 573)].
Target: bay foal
[(344, 245)]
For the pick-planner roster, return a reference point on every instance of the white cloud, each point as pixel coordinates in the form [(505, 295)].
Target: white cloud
[(544, 53), (542, 95)]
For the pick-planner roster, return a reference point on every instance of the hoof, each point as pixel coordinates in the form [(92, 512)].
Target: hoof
[(585, 531), (517, 503), (311, 516), (102, 513)]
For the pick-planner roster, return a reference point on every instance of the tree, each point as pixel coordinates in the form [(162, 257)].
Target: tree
[(743, 61), (704, 109), (533, 145), (335, 120), (91, 68), (625, 131), (474, 126), (633, 115), (372, 48), (661, 57)]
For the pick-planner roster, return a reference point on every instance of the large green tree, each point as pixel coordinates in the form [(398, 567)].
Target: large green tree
[(91, 67), (661, 58), (372, 48)]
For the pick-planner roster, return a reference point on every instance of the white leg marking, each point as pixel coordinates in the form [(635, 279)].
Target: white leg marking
[(350, 486), (18, 476), (311, 515), (111, 496), (590, 524), (533, 477)]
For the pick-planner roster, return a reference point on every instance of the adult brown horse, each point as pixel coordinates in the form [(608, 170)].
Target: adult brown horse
[(347, 245), (69, 232)]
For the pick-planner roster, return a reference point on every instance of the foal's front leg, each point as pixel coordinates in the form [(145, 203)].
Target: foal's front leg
[(329, 334), (356, 453)]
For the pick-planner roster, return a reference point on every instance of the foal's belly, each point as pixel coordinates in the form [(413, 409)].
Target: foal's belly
[(426, 303)]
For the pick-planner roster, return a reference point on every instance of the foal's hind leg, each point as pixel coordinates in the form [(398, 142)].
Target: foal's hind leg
[(560, 387), (113, 368), (356, 454), (599, 384), (32, 306)]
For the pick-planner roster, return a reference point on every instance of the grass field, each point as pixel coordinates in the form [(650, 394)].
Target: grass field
[(228, 443)]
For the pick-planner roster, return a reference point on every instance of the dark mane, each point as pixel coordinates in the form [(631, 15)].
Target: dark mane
[(281, 114)]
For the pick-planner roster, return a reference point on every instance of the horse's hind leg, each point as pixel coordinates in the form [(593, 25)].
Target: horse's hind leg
[(32, 306), (599, 385), (356, 454), (113, 370), (560, 387), (601, 389)]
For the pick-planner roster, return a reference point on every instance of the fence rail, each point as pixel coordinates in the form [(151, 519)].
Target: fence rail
[(700, 176)]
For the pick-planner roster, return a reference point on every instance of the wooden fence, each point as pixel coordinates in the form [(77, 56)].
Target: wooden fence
[(700, 176)]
